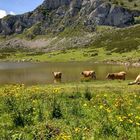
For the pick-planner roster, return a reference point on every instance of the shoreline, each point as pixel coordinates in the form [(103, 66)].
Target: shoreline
[(126, 64), (112, 62)]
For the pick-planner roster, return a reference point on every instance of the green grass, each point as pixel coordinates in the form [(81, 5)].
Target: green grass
[(76, 30), (119, 40), (130, 4), (84, 54), (93, 110)]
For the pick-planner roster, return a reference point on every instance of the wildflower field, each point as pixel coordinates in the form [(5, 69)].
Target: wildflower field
[(107, 110)]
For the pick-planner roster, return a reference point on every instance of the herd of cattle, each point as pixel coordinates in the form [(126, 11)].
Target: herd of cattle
[(92, 75)]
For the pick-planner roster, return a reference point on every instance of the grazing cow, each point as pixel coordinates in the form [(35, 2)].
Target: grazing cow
[(120, 75), (57, 77), (90, 74), (137, 81)]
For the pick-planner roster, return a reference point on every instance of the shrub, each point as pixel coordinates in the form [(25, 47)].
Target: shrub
[(88, 94), (56, 111), (135, 5), (108, 130)]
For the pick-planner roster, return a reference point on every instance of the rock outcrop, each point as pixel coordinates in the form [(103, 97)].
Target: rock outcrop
[(55, 15), (107, 14)]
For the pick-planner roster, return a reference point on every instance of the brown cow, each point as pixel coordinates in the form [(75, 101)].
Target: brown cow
[(57, 76), (90, 74), (120, 75), (137, 81)]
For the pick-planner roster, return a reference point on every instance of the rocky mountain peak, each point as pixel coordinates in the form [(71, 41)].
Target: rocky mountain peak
[(54, 4), (58, 14)]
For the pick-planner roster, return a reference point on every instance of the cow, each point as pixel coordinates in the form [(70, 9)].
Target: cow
[(57, 76), (121, 75), (89, 74), (137, 81)]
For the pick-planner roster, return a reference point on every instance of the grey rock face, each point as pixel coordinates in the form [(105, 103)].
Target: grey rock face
[(99, 15), (53, 4), (107, 14), (53, 14), (119, 17)]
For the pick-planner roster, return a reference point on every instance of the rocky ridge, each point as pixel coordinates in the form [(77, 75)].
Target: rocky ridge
[(56, 15)]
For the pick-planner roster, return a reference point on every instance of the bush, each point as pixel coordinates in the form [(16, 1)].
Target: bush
[(135, 5), (94, 54), (88, 94), (56, 111)]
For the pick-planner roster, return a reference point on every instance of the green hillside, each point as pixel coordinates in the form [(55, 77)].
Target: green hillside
[(107, 44), (130, 4)]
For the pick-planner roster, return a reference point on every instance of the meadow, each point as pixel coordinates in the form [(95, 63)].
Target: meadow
[(97, 110)]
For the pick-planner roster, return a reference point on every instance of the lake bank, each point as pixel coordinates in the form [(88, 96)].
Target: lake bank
[(96, 55)]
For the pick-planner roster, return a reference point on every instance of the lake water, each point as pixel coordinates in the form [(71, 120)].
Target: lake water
[(41, 73)]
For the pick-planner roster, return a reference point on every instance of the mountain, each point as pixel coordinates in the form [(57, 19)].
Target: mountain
[(67, 24), (56, 15)]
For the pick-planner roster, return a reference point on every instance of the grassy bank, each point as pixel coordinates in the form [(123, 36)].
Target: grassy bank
[(92, 110), (84, 54)]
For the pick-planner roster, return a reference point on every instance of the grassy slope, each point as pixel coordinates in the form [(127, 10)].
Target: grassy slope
[(130, 4), (108, 44), (97, 55), (94, 110)]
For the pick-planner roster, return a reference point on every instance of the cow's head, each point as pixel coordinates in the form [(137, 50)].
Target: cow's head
[(110, 76), (94, 75), (57, 74)]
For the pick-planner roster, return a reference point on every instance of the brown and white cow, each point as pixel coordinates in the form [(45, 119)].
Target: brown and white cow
[(121, 75), (57, 76), (137, 81), (89, 74)]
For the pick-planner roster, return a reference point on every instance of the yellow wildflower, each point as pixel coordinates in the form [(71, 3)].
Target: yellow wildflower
[(138, 107), (101, 107), (119, 118), (77, 129), (137, 123), (137, 117), (135, 95), (17, 95), (56, 90), (34, 101), (130, 114), (108, 110), (85, 105), (130, 121), (63, 136), (105, 95), (124, 117)]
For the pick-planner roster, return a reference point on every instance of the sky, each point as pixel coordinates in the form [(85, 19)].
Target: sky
[(15, 7)]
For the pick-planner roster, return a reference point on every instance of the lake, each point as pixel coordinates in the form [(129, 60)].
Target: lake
[(41, 73)]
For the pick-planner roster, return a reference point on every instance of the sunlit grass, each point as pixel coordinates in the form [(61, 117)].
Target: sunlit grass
[(89, 110), (84, 54)]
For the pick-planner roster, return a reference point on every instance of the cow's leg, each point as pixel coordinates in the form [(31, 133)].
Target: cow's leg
[(132, 83)]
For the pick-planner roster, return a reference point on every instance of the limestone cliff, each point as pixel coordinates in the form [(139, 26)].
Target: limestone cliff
[(56, 15)]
